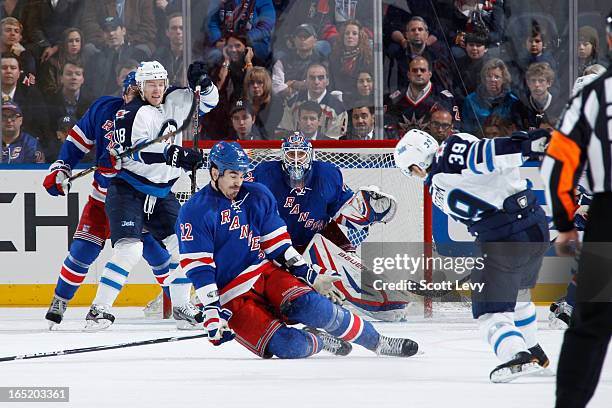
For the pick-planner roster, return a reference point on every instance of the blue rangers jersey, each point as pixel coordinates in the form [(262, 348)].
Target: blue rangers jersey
[(228, 243), (470, 178), (306, 211), (95, 128), (138, 122)]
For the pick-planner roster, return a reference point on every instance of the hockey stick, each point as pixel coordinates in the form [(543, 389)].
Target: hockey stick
[(101, 348), (137, 148), (196, 136)]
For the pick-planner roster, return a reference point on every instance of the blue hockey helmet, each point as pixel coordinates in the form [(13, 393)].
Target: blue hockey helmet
[(229, 156), (297, 157), (128, 81)]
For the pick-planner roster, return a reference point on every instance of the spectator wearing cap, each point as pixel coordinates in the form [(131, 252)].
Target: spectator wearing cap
[(243, 121), (17, 145), (10, 42), (116, 49), (171, 55), (289, 71), (136, 15), (254, 19), (45, 21), (333, 117), (476, 54), (26, 95), (588, 48)]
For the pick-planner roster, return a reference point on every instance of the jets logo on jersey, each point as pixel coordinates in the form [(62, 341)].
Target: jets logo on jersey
[(168, 127), (108, 125), (121, 113)]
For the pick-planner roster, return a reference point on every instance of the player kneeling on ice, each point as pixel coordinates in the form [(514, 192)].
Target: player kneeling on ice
[(478, 183), (313, 201), (139, 196), (235, 248)]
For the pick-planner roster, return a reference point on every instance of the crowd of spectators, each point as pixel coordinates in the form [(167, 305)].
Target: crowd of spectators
[(287, 65)]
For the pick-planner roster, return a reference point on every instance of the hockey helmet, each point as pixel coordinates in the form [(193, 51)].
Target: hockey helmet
[(129, 80), (229, 156), (150, 70), (297, 157), (415, 148)]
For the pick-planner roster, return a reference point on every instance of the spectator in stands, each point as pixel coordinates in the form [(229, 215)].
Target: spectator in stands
[(267, 107), (70, 99), (13, 8), (171, 56), (45, 21), (289, 71), (538, 101), (18, 146), (497, 126), (105, 63), (162, 10), (62, 126), (124, 68), (416, 34), (309, 120), (243, 121), (351, 54), (26, 95), (12, 36), (492, 96), (365, 85), (254, 19), (69, 50), (362, 122), (136, 16), (588, 48), (334, 116), (440, 124), (470, 65), (410, 107)]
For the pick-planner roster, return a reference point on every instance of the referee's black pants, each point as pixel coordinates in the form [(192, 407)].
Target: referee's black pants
[(586, 341)]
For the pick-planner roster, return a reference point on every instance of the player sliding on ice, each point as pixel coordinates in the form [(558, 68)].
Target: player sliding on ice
[(95, 128), (313, 200), (139, 196), (478, 183), (235, 248)]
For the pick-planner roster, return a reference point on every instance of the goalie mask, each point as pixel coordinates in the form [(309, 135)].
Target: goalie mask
[(417, 148), (297, 156)]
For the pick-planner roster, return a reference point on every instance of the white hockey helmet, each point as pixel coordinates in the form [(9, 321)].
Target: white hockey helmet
[(415, 148), (149, 70)]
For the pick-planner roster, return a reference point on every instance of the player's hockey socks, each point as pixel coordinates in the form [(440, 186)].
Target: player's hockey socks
[(75, 267), (159, 259), (523, 363), (289, 343)]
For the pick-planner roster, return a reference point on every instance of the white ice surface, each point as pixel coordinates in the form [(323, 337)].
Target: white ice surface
[(453, 372)]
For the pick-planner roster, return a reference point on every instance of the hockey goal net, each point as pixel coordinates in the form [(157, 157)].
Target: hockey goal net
[(362, 163)]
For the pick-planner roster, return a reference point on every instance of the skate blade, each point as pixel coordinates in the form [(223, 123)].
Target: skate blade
[(92, 326), (52, 325), (544, 372), (506, 375), (185, 325)]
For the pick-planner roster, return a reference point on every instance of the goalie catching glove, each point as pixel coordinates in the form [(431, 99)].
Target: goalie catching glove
[(55, 182), (368, 206)]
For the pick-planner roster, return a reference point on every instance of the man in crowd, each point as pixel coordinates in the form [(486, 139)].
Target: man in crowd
[(17, 146)]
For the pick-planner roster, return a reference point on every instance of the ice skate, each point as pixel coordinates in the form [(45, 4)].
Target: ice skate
[(331, 344), (188, 317), (523, 363), (98, 318), (55, 314), (543, 360), (389, 346), (154, 309), (560, 315)]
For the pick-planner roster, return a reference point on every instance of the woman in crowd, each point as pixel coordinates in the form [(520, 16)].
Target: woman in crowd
[(69, 51), (268, 108), (588, 48)]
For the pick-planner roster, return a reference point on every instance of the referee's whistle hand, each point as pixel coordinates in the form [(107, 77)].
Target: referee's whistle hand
[(567, 243)]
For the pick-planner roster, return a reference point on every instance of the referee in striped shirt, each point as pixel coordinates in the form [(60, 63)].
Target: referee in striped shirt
[(583, 140)]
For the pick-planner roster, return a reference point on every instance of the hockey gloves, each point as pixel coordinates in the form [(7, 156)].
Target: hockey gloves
[(109, 164), (368, 206), (322, 280), (198, 75), (59, 172), (216, 321), (177, 156), (533, 143)]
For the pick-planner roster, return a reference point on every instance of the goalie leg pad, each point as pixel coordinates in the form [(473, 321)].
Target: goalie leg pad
[(288, 342), (315, 310), (126, 254), (75, 267)]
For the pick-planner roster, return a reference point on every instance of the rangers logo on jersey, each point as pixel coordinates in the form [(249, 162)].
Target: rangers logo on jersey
[(121, 113), (108, 125)]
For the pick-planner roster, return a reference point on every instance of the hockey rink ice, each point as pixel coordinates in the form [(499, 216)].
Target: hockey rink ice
[(452, 372)]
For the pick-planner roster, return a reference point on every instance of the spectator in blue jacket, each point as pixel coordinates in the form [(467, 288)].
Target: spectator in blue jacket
[(17, 146)]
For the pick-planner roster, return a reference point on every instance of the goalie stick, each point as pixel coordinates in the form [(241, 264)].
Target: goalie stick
[(137, 148), (101, 348)]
